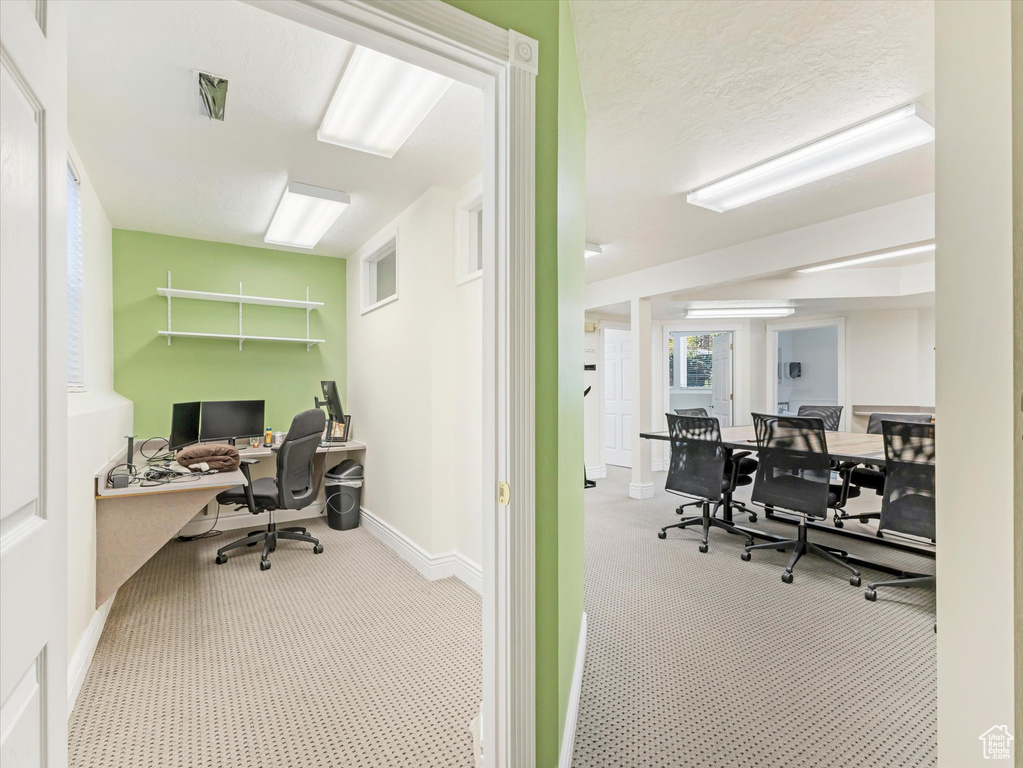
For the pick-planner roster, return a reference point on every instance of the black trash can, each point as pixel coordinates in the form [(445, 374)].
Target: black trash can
[(343, 489)]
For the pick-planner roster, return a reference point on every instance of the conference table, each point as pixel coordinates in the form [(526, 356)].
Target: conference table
[(856, 447)]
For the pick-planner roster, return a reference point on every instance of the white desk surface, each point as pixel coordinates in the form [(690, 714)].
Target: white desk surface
[(218, 480)]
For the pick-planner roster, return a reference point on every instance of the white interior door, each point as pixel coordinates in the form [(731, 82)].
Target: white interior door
[(721, 378), (33, 385), (617, 397)]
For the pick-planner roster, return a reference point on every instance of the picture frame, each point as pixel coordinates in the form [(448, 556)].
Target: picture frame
[(341, 431)]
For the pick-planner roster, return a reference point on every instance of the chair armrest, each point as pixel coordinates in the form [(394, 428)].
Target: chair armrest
[(250, 500), (844, 470), (741, 455)]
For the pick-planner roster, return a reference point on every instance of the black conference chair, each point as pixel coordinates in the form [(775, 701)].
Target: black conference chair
[(908, 503), (795, 475), (294, 487), (831, 415), (747, 466), (872, 478), (704, 469)]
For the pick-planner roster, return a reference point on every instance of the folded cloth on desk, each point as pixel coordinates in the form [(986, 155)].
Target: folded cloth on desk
[(219, 457)]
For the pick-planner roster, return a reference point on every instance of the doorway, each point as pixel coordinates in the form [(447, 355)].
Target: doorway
[(806, 365), (618, 397), (699, 372)]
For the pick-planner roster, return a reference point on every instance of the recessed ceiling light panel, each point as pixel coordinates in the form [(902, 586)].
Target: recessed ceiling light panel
[(879, 137), (379, 102), (304, 215), (872, 257), (721, 312)]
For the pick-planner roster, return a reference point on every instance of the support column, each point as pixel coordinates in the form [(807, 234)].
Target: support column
[(639, 382)]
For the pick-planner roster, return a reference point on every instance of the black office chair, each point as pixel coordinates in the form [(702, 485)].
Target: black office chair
[(294, 487), (702, 412), (908, 503), (747, 466), (795, 475), (831, 415), (704, 469), (872, 478)]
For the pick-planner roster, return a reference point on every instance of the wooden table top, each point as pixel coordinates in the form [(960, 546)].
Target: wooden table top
[(844, 446)]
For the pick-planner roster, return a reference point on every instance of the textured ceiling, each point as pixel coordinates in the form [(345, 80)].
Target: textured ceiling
[(679, 94), (159, 166)]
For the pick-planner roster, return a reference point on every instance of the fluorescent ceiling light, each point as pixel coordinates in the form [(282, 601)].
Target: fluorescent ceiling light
[(873, 257), (592, 249), (717, 312), (871, 140), (304, 215), (379, 102)]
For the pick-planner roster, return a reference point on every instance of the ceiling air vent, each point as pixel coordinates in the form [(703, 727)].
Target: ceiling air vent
[(212, 95)]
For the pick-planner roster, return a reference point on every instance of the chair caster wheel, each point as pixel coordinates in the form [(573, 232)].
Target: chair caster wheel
[(854, 580), (787, 577), (662, 534), (704, 548), (264, 565), (839, 523), (880, 535), (746, 556), (317, 549), (221, 559), (870, 594), (752, 517)]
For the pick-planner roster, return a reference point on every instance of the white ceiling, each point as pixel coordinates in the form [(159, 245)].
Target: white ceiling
[(159, 166), (679, 94)]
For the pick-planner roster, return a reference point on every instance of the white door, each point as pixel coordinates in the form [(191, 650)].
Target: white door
[(33, 385), (617, 397), (721, 378)]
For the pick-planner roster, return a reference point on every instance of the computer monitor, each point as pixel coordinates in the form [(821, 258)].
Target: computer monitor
[(231, 420), (332, 400), (184, 425)]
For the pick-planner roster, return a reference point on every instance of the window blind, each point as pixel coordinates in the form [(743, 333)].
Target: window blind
[(75, 282)]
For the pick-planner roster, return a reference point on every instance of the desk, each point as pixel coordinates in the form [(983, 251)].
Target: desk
[(843, 446), (133, 523)]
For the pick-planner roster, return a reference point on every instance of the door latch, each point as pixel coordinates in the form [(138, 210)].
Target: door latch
[(503, 493)]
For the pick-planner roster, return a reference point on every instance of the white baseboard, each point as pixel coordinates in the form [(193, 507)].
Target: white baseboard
[(597, 473), (432, 567), (641, 490), (572, 715), (79, 664)]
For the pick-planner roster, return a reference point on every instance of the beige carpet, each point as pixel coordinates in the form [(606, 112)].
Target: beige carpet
[(704, 660), (347, 658)]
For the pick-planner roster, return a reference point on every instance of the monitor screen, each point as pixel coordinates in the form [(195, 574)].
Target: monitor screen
[(184, 425), (230, 419), (333, 400)]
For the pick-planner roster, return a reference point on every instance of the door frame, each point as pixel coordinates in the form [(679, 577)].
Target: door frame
[(771, 356), (503, 65)]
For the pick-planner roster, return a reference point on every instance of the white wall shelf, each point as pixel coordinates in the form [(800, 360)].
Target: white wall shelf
[(234, 298), (240, 299)]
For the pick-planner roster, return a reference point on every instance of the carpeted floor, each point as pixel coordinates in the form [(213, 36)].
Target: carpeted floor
[(347, 658), (704, 660)]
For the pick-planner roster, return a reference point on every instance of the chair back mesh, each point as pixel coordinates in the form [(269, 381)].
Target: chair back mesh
[(874, 422), (794, 472), (908, 502), (831, 415), (691, 412), (698, 459), (296, 480)]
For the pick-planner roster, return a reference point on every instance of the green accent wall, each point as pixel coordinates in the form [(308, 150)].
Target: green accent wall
[(154, 375), (559, 329)]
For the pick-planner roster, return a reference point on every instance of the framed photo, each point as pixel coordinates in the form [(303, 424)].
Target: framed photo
[(341, 430)]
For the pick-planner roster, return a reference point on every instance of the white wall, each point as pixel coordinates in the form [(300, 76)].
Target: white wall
[(98, 418), (415, 386)]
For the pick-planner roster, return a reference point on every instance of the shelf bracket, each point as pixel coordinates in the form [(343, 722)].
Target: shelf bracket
[(169, 327), (240, 304)]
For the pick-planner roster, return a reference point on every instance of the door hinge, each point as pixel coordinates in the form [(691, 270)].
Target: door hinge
[(729, 396), (503, 493)]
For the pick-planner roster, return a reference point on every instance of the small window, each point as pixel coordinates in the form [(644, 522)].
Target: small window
[(75, 284), (380, 276), (690, 360), (470, 239)]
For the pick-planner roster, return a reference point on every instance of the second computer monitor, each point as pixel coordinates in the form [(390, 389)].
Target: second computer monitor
[(184, 425), (333, 400), (231, 419)]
